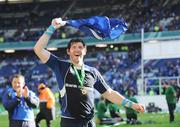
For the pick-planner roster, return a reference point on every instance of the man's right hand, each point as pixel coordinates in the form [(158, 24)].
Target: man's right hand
[(55, 23)]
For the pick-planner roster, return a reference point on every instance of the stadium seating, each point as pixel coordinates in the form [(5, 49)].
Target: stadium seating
[(27, 21), (32, 18)]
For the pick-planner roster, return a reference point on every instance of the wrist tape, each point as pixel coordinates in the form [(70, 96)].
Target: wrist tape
[(50, 30), (127, 103)]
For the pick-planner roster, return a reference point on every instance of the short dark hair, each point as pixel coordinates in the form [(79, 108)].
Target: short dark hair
[(75, 41)]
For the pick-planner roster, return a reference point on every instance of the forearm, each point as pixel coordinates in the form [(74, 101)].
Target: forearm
[(117, 98), (42, 43), (113, 96), (39, 48)]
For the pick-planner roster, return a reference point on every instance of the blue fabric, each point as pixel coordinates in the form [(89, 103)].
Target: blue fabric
[(103, 26)]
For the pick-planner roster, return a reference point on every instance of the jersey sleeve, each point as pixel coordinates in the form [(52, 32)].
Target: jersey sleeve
[(100, 84), (52, 62), (55, 63)]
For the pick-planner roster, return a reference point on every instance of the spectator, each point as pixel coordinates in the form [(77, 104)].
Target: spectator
[(19, 101), (114, 111), (101, 110), (131, 114), (171, 100)]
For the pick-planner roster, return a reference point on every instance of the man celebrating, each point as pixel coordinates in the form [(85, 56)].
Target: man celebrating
[(76, 82)]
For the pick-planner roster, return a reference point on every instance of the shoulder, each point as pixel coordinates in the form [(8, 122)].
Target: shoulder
[(171, 88), (9, 92), (48, 90), (55, 62), (55, 58), (90, 69)]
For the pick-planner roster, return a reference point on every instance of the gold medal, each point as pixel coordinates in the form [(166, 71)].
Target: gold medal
[(83, 91), (81, 78)]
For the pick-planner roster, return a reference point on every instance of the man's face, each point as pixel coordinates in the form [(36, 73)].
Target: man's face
[(76, 52), (17, 83)]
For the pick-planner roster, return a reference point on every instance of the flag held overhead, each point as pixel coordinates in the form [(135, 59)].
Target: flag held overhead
[(100, 27)]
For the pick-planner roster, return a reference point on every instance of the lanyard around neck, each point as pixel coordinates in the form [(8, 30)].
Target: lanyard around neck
[(81, 76)]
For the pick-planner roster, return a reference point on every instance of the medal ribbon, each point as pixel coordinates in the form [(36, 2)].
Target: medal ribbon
[(81, 76)]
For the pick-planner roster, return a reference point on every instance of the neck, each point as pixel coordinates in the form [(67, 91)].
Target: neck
[(78, 65)]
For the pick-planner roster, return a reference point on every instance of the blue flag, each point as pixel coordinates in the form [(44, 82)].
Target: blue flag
[(100, 27)]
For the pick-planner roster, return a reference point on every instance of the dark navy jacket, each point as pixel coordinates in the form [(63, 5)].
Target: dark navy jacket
[(74, 104)]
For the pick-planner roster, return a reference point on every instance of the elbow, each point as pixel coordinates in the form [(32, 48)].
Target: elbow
[(35, 49)]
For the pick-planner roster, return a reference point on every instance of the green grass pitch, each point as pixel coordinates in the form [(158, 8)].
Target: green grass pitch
[(149, 120)]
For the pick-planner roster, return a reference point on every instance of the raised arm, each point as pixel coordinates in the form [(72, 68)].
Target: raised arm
[(39, 47), (117, 98)]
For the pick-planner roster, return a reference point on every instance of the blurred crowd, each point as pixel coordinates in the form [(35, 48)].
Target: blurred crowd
[(27, 21), (120, 69)]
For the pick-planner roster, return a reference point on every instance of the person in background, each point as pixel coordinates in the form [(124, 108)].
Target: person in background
[(178, 93), (171, 100), (114, 111), (131, 114), (77, 81), (19, 101), (177, 89), (47, 105), (101, 110)]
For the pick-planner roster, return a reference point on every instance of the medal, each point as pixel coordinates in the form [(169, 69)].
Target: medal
[(83, 91), (80, 78)]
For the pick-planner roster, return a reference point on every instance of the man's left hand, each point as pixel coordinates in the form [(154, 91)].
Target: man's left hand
[(138, 107)]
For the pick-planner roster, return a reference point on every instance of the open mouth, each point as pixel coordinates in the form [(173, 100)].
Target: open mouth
[(77, 55)]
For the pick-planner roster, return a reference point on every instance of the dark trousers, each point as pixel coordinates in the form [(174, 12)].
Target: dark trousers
[(21, 123), (76, 123), (171, 108), (47, 114), (41, 116)]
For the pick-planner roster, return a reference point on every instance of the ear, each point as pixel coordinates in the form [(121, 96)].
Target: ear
[(85, 51), (67, 50)]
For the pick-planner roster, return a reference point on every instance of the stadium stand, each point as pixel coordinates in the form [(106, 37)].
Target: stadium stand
[(27, 21)]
